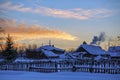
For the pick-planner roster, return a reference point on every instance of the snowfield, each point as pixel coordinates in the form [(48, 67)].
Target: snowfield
[(22, 75)]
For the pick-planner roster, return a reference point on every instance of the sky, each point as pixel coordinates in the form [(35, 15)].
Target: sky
[(67, 23)]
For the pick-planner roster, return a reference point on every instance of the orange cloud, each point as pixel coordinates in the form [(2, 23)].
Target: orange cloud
[(23, 32)]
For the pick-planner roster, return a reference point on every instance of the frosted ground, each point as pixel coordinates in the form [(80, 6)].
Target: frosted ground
[(21, 75)]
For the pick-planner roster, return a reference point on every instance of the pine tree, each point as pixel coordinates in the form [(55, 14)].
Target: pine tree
[(9, 53), (1, 38)]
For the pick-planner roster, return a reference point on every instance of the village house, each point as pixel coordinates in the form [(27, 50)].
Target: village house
[(86, 51), (50, 51), (114, 52)]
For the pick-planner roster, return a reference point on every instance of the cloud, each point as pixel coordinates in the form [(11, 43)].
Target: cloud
[(23, 32), (77, 13)]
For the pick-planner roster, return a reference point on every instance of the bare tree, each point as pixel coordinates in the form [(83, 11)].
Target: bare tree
[(118, 38)]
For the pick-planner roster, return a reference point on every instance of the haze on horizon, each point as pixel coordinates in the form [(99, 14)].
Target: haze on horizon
[(67, 23)]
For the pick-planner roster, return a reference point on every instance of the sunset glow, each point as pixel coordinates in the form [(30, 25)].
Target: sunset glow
[(22, 31), (66, 23)]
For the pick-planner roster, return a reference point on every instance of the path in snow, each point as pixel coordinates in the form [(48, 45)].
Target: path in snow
[(21, 75)]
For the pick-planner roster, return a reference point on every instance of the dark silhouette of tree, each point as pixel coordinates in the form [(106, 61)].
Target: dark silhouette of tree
[(1, 38), (10, 53), (21, 50), (33, 54), (34, 46), (118, 38), (84, 42)]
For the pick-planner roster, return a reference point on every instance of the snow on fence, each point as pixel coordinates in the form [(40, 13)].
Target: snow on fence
[(65, 66)]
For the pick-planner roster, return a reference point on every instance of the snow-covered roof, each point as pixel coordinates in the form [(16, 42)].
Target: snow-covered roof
[(63, 56), (114, 49), (27, 60), (114, 54), (78, 53), (50, 48), (98, 58), (49, 53), (22, 59), (92, 49), (70, 55)]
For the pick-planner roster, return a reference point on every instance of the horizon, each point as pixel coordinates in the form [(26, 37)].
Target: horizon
[(66, 23)]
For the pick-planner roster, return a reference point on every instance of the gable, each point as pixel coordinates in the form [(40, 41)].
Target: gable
[(91, 49)]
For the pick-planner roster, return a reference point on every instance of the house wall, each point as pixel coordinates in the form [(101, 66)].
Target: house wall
[(57, 52)]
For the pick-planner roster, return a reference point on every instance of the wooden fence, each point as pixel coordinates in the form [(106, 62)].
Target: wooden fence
[(65, 66)]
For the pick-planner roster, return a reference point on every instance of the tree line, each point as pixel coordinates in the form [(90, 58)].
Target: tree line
[(9, 52)]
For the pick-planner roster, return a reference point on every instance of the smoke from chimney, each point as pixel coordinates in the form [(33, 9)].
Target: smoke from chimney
[(98, 39)]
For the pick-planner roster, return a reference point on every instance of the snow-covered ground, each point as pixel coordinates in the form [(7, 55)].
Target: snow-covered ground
[(22, 75)]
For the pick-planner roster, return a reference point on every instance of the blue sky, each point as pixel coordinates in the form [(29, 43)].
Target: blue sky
[(81, 19)]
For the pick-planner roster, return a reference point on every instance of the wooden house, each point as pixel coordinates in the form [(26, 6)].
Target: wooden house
[(50, 51), (114, 52), (91, 51)]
